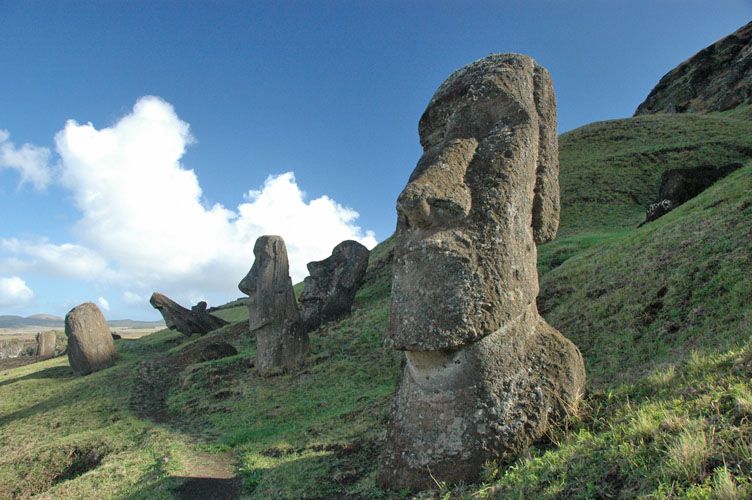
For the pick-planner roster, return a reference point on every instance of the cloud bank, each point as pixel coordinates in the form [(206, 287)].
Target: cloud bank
[(143, 223)]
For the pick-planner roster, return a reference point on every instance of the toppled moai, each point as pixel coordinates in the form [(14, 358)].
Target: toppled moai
[(329, 290), (46, 344), (281, 343), (484, 374), (188, 322), (90, 345)]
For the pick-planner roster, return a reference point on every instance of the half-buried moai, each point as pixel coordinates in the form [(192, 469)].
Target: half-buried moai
[(329, 291), (90, 345), (46, 344), (484, 374), (273, 314)]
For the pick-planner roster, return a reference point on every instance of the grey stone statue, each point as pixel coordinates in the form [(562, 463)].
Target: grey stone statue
[(484, 374), (273, 313)]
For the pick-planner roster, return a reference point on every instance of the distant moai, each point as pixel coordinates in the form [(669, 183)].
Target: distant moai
[(273, 314), (187, 321), (90, 345), (484, 374), (46, 344), (329, 290)]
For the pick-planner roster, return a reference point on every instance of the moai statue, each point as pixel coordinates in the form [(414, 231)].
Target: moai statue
[(329, 291), (272, 309), (90, 345), (484, 374)]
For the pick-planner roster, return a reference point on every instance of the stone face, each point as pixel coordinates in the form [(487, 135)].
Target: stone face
[(717, 78), (46, 344), (273, 313), (188, 322), (90, 345), (480, 360), (329, 291)]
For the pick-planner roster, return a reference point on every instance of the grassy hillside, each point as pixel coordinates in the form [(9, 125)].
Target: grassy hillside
[(661, 314), (610, 171)]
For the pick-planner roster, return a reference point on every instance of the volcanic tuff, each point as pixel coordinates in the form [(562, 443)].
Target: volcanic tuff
[(717, 78)]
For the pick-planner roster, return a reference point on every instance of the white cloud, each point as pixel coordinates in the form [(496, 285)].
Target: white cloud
[(143, 222), (14, 292), (103, 303), (31, 162), (65, 261), (133, 299)]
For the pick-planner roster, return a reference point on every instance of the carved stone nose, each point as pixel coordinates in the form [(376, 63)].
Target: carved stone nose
[(424, 204)]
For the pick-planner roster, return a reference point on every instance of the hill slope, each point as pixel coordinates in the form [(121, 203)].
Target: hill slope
[(661, 314)]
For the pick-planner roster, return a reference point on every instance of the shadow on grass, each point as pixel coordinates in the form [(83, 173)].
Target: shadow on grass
[(56, 372)]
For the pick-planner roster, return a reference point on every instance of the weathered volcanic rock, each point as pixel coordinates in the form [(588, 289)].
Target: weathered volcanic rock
[(484, 375), (717, 78), (680, 185), (176, 317), (90, 346), (329, 291), (273, 312), (46, 344)]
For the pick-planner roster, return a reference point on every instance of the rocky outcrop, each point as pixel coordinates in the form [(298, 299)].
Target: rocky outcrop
[(46, 344), (273, 313), (188, 322), (479, 359), (90, 345), (680, 185), (329, 290), (717, 78)]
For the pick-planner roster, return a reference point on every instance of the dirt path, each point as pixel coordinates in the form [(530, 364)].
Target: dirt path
[(204, 475), (209, 476)]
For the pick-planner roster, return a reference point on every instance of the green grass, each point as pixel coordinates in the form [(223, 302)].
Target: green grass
[(610, 171), (661, 314)]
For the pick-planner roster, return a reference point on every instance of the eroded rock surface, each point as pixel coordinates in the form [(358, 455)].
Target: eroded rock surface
[(281, 343), (484, 374), (90, 345), (329, 290), (717, 78), (188, 322)]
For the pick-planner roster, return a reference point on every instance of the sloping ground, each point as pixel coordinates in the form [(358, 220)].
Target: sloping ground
[(661, 314), (610, 171)]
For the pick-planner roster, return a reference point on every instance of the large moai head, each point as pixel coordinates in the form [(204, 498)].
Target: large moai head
[(483, 194)]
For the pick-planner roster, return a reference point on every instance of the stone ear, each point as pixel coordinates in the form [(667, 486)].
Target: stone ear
[(546, 198)]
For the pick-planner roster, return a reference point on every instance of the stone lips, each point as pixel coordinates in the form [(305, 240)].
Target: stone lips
[(717, 78), (484, 375), (90, 345), (281, 344), (329, 290)]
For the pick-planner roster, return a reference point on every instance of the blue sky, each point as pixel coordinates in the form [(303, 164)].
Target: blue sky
[(330, 91)]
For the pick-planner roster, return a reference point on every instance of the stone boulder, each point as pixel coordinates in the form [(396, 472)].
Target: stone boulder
[(281, 343), (90, 345), (680, 185), (188, 322), (329, 291), (46, 344), (717, 78), (484, 375)]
